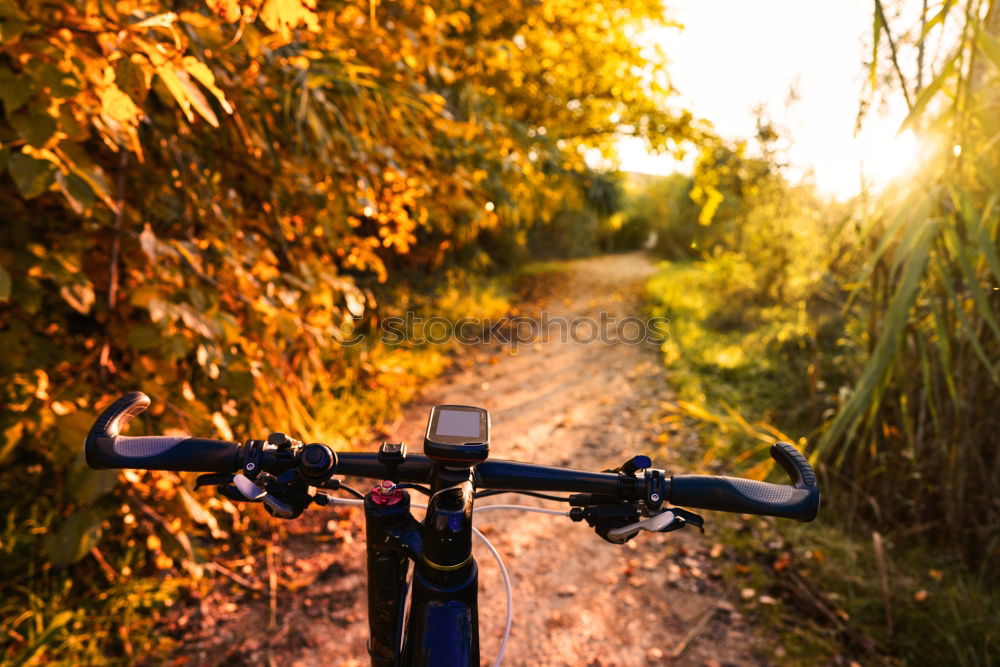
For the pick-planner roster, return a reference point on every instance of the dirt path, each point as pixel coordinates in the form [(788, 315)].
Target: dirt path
[(577, 599)]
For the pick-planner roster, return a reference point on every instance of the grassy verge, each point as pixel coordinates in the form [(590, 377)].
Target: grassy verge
[(835, 591)]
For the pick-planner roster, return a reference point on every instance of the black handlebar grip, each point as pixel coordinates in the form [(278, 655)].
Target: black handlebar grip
[(731, 494), (105, 448)]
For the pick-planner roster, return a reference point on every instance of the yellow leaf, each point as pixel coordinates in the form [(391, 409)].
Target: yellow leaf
[(118, 107), (196, 98), (164, 20), (80, 296), (283, 16), (11, 437), (229, 10), (200, 20), (203, 74), (143, 296), (222, 426), (176, 88)]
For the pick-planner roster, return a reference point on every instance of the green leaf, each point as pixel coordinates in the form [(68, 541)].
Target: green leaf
[(916, 209), (70, 431), (15, 90), (878, 23), (60, 84), (86, 486), (989, 45), (970, 331), (75, 128), (4, 284), (143, 337), (938, 19), (131, 78), (11, 29), (240, 383), (36, 129), (11, 438), (9, 9), (74, 538), (929, 92), (32, 177), (960, 255), (76, 160), (943, 338), (30, 651), (869, 387), (76, 190), (986, 245)]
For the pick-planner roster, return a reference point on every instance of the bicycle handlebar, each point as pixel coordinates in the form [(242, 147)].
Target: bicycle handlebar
[(732, 494), (106, 448)]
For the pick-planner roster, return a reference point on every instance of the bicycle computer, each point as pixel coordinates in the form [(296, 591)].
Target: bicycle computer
[(457, 435)]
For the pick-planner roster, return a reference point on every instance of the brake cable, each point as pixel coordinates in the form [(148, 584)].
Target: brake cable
[(510, 593), (526, 508), (534, 494)]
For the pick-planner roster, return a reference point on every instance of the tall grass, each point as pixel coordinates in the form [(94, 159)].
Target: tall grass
[(917, 434), (882, 352)]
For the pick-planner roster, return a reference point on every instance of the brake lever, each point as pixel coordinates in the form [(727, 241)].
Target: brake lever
[(213, 479), (239, 487), (225, 484), (689, 517), (663, 522), (249, 490), (252, 492)]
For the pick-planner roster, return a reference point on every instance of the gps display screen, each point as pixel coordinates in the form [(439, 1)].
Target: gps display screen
[(460, 423)]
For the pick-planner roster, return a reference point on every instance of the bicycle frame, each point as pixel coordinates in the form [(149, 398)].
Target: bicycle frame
[(443, 624)]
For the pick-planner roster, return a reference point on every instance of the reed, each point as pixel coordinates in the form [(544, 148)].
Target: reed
[(917, 433)]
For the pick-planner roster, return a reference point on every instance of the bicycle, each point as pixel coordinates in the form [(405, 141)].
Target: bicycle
[(432, 618)]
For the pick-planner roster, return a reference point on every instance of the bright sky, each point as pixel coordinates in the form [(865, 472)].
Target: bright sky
[(735, 54)]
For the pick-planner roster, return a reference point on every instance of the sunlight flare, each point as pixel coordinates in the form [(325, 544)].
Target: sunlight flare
[(885, 157)]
